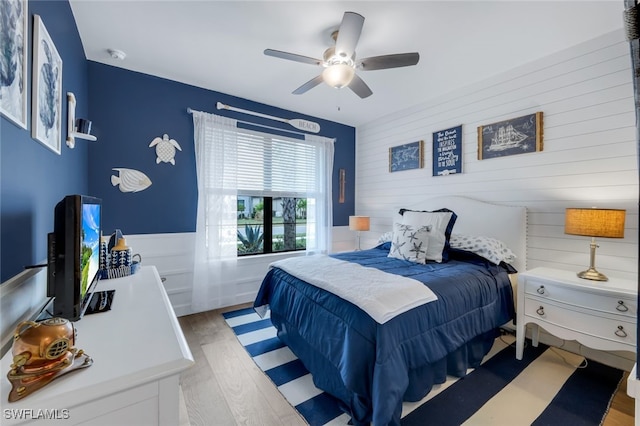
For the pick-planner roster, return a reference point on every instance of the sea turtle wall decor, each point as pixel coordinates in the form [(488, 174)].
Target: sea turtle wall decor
[(165, 149)]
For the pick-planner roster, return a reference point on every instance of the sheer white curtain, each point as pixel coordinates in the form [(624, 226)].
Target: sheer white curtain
[(321, 212), (215, 261), (229, 160)]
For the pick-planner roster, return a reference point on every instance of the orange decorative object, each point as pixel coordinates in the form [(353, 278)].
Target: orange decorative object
[(43, 351)]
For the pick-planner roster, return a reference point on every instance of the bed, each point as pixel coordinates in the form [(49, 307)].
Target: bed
[(372, 363)]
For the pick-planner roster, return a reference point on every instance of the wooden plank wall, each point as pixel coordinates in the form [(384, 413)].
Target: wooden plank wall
[(589, 156)]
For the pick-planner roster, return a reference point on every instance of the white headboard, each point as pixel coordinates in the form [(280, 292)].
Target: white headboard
[(505, 223)]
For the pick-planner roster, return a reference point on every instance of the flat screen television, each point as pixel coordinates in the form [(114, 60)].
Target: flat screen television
[(74, 255)]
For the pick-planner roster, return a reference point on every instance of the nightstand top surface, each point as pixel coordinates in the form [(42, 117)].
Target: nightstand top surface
[(570, 278)]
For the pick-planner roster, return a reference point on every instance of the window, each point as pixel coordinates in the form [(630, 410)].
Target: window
[(271, 224), (277, 179), (235, 165)]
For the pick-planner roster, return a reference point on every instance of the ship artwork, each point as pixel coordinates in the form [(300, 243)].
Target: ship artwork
[(514, 136), (507, 138)]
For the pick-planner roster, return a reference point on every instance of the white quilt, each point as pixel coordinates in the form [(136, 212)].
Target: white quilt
[(380, 294)]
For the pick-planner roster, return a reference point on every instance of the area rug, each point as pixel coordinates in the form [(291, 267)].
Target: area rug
[(547, 387)]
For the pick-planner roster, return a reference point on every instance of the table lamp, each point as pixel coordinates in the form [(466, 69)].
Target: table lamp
[(607, 223), (359, 223)]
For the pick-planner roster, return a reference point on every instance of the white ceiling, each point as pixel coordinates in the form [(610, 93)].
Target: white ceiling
[(218, 45)]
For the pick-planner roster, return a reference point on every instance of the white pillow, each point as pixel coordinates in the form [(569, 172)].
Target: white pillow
[(491, 249), (409, 243), (386, 237), (438, 222)]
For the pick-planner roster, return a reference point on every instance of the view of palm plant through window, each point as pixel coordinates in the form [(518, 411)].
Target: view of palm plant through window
[(271, 224)]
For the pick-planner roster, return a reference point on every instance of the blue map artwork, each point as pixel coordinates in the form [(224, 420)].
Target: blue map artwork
[(405, 157)]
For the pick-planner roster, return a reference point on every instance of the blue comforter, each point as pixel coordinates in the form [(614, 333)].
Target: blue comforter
[(373, 367)]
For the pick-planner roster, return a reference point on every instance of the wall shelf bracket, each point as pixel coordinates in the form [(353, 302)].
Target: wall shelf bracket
[(72, 134)]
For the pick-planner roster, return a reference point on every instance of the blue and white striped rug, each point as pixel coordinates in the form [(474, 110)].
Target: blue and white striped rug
[(545, 388)]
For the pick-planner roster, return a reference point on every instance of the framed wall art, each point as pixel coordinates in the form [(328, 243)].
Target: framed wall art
[(447, 151), (509, 137), (406, 157), (46, 102), (13, 52)]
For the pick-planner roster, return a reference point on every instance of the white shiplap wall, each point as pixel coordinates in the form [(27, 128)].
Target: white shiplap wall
[(589, 156)]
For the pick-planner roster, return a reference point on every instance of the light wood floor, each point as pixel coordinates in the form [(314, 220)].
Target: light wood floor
[(225, 387)]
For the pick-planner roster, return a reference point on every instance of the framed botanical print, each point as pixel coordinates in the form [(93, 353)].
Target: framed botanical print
[(14, 56), (46, 102)]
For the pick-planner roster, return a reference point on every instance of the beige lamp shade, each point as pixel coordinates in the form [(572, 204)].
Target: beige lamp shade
[(359, 223), (607, 223)]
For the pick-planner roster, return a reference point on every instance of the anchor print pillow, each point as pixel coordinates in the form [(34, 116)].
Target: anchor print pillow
[(410, 242)]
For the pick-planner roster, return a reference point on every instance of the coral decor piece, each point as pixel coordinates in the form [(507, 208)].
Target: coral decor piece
[(13, 60), (47, 89)]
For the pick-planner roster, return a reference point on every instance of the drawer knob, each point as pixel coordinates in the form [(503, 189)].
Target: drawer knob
[(540, 311), (540, 290), (620, 332), (621, 306)]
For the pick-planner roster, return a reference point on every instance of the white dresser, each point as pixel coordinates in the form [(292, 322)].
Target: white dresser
[(599, 314), (138, 352)]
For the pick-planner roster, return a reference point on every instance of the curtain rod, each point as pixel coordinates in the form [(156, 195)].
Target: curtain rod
[(191, 111), (298, 123)]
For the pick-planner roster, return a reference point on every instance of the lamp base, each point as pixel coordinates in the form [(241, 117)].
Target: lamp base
[(592, 274)]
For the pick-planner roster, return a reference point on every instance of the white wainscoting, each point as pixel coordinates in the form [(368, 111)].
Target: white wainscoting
[(172, 254), (589, 156)]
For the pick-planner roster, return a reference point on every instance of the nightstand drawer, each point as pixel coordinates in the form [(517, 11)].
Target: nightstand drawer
[(626, 307), (615, 329)]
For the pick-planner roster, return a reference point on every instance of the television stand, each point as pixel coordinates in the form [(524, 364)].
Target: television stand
[(138, 352)]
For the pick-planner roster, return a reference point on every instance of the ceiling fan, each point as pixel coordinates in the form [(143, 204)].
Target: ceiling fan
[(340, 61)]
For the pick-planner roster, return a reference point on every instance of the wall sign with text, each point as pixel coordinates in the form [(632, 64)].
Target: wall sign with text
[(447, 151)]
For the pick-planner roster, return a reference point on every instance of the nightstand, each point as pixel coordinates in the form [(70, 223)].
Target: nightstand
[(599, 314)]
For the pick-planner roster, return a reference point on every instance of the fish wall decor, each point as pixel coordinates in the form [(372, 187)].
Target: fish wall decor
[(165, 149), (130, 180)]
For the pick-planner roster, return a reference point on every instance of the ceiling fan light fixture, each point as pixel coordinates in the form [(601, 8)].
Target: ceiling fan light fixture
[(338, 75)]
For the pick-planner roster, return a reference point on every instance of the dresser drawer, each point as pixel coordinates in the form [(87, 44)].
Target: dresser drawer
[(615, 329), (624, 306)]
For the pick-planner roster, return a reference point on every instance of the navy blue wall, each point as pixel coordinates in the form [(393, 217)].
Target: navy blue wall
[(33, 178), (130, 109)]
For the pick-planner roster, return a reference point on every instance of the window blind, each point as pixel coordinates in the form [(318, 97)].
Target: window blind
[(276, 165)]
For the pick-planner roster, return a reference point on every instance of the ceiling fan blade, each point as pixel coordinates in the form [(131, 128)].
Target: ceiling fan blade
[(349, 34), (359, 87), (389, 61), (308, 85), (292, 57)]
